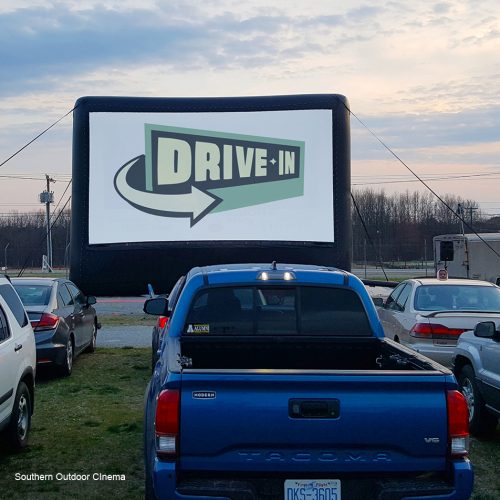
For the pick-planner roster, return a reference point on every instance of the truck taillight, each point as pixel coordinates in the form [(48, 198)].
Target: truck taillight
[(434, 331), (167, 423), (458, 424), (47, 321)]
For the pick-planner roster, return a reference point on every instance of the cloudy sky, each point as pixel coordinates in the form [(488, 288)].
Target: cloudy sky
[(424, 76)]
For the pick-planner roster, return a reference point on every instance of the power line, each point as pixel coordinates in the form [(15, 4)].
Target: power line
[(368, 235), (61, 198), (436, 179), (36, 137), (423, 182), (492, 175), (23, 177)]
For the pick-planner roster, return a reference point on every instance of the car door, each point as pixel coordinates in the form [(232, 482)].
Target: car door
[(387, 314), (17, 349), (8, 367), (65, 306), (84, 317), (490, 354), (404, 317)]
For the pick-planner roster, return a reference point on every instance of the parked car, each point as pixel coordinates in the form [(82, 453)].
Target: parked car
[(477, 368), (17, 367), (429, 315), (160, 329), (63, 319)]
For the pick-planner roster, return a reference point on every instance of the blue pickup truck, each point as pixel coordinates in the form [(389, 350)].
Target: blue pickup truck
[(276, 382)]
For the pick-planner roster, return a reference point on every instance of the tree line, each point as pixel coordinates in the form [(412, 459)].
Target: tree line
[(399, 228), (23, 239)]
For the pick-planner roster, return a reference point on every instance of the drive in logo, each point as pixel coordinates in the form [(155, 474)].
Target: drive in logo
[(192, 173)]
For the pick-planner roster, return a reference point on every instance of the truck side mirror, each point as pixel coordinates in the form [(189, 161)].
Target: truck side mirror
[(157, 306), (485, 329), (378, 301)]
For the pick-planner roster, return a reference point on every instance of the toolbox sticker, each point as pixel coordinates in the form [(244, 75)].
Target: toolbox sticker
[(204, 328)]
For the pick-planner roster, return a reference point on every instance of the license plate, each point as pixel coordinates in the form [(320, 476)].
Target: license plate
[(445, 342), (312, 489)]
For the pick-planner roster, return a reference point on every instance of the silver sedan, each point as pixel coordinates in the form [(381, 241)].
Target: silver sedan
[(429, 315)]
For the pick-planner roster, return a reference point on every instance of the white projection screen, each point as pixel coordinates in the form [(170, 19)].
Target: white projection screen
[(164, 184)]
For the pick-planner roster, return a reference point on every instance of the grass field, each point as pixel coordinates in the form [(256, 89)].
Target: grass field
[(126, 320), (91, 423)]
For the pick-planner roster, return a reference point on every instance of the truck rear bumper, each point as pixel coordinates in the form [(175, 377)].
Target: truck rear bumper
[(457, 486)]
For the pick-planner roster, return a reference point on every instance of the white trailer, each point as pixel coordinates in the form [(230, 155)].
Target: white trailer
[(468, 256)]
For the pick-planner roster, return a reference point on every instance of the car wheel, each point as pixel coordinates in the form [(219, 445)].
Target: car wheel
[(67, 366), (20, 421), (93, 342), (481, 422)]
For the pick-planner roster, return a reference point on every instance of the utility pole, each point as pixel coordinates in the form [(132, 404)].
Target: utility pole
[(47, 197), (5, 255), (460, 212), (425, 256), (364, 254), (470, 209)]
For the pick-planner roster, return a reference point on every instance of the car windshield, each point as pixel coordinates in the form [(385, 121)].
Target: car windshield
[(274, 310), (34, 295), (457, 297)]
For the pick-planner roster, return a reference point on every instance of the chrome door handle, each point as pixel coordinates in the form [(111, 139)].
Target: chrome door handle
[(18, 347)]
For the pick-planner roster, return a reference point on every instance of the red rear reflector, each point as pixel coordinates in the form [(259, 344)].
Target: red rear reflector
[(162, 321), (167, 422), (458, 424), (434, 331), (46, 322)]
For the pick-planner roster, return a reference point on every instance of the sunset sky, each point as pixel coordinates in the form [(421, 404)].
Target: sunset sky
[(424, 77)]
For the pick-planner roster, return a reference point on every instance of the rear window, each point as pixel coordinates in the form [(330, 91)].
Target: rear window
[(457, 297), (12, 299), (277, 311), (34, 295)]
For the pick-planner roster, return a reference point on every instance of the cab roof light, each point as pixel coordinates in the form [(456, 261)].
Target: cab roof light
[(276, 275)]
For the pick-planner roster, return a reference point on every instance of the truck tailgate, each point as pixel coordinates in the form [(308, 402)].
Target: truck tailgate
[(303, 421)]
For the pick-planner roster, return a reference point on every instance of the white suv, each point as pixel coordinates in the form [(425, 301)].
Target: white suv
[(17, 367)]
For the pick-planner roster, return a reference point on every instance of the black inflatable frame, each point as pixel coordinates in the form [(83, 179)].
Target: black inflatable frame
[(127, 268)]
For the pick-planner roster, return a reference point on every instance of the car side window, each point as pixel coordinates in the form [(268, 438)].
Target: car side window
[(64, 298), (14, 302), (4, 326), (403, 297), (174, 294), (77, 295), (391, 300)]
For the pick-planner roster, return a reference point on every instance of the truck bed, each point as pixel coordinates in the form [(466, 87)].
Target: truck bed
[(302, 353)]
